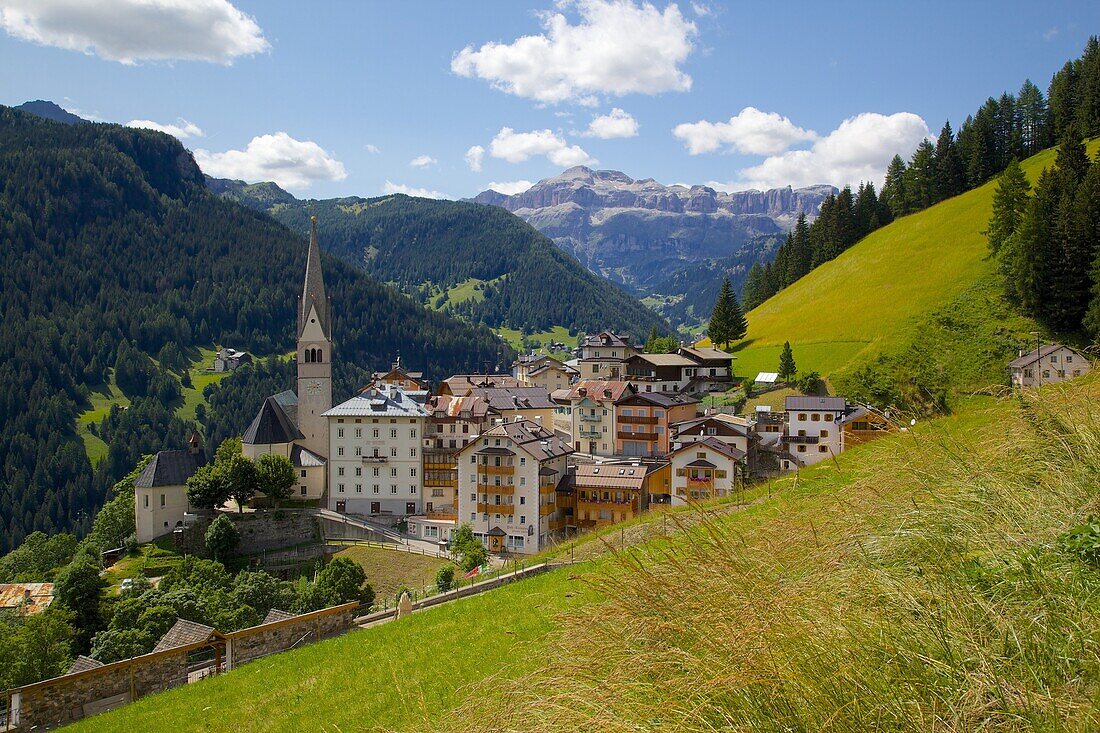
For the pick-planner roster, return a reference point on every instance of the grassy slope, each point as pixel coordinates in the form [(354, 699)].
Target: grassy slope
[(388, 571), (870, 299), (392, 676)]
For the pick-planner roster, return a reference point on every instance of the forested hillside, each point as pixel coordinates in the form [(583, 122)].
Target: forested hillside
[(113, 249), (1005, 128), (515, 276)]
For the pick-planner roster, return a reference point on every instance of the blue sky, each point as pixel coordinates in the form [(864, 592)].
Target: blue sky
[(342, 98)]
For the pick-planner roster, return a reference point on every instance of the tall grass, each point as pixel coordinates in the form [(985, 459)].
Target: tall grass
[(929, 593)]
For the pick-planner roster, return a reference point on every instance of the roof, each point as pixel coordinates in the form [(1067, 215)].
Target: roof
[(828, 404), (515, 398), (276, 615), (83, 664), (1036, 354), (305, 458), (384, 400), (454, 406), (700, 463), (496, 532), (689, 426), (599, 390), (288, 400), (313, 290), (665, 359), (462, 384), (170, 468), (272, 425), (613, 475), (704, 353), (767, 377), (30, 598), (714, 444), (556, 366), (659, 399), (605, 338), (535, 440), (185, 633)]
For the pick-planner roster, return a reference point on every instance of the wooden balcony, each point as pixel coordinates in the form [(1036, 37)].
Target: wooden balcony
[(496, 470), (557, 524), (494, 489), (638, 419), (495, 508), (647, 437), (449, 516), (547, 509)]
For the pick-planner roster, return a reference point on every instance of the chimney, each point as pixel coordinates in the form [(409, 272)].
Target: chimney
[(195, 442), (538, 420), (27, 595)]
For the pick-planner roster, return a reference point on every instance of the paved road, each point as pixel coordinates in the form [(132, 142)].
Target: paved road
[(388, 534)]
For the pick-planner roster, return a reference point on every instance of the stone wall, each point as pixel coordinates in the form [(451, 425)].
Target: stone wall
[(260, 641), (62, 700), (262, 530), (66, 699)]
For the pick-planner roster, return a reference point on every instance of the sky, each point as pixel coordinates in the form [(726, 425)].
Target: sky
[(447, 98)]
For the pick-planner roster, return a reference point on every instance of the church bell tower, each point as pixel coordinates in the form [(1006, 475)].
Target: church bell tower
[(314, 352)]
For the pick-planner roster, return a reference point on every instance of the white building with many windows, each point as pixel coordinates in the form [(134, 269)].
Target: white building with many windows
[(507, 486), (375, 443)]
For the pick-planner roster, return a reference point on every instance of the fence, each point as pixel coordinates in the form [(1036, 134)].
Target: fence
[(340, 542)]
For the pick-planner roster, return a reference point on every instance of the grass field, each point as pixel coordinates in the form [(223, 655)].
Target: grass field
[(152, 560), (391, 570), (557, 333), (200, 378), (871, 298)]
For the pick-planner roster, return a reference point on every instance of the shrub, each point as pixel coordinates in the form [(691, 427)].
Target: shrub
[(222, 538), (445, 578), (1083, 541)]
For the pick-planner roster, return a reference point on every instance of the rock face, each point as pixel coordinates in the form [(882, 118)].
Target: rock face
[(639, 232)]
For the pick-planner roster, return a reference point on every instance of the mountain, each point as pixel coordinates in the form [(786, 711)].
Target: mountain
[(479, 262), (50, 111), (113, 252), (641, 233)]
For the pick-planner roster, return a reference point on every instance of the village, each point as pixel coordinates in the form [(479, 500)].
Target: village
[(529, 458)]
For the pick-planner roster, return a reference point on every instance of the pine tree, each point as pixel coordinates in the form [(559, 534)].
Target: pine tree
[(787, 368), (1032, 112), (982, 147), (754, 292), (950, 178), (920, 178), (739, 326), (1009, 204), (723, 318), (893, 190)]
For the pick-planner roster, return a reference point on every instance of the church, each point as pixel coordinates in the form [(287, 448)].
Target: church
[(292, 424)]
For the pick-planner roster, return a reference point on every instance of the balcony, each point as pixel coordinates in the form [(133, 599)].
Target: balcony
[(592, 434), (606, 502), (557, 524), (376, 459), (483, 508), (547, 509), (592, 418), (447, 516), (804, 439), (496, 470), (648, 437), (638, 419)]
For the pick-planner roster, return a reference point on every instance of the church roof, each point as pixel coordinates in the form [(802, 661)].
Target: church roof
[(170, 468), (313, 292), (271, 426), (305, 458)]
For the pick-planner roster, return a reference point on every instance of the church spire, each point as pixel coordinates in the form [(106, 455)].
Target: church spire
[(313, 292)]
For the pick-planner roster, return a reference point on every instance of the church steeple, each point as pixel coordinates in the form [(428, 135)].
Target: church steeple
[(313, 291)]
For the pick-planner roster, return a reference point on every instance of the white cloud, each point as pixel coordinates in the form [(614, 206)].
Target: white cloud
[(279, 157), (509, 188), (422, 161), (517, 147), (859, 149), (181, 129), (616, 124), (423, 193), (617, 47), (372, 149), (750, 131), (1050, 34), (701, 10), (473, 157), (129, 31)]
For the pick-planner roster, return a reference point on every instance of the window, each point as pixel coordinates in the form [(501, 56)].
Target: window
[(473, 497), (375, 432), (522, 461), (1046, 374), (701, 454), (376, 470), (339, 432), (341, 488), (1069, 359), (358, 450), (412, 452), (375, 488), (523, 500), (1053, 358), (814, 417), (523, 519), (393, 472), (303, 491), (412, 433), (522, 480), (473, 478), (339, 450), (822, 449), (393, 453), (801, 416), (162, 501), (412, 471), (358, 470), (412, 489), (824, 433), (359, 488), (340, 471), (393, 488), (473, 459), (359, 432), (393, 433), (802, 448), (473, 516)]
